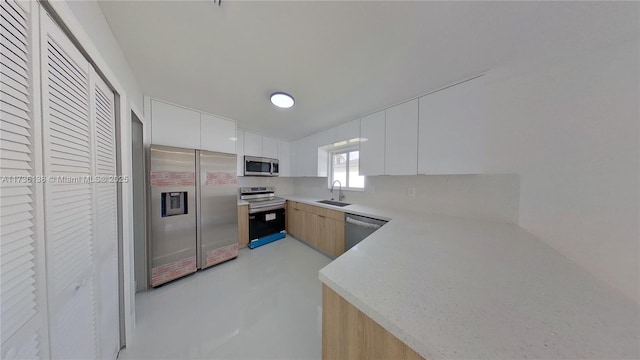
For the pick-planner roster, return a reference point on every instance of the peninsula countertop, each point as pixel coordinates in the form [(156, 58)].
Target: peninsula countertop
[(452, 287)]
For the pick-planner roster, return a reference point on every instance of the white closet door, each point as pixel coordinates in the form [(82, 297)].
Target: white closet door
[(106, 217), (68, 155), (21, 325)]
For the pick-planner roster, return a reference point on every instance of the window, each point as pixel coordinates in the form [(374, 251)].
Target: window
[(344, 167)]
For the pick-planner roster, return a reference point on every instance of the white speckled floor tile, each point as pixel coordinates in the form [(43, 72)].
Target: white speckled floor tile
[(266, 304)]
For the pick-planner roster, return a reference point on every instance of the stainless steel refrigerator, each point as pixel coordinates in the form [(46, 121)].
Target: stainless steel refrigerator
[(193, 202)]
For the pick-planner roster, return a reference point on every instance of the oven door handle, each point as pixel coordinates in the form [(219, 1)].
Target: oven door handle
[(266, 208)]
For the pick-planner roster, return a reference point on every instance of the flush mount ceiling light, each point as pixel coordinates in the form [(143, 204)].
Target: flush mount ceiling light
[(282, 100)]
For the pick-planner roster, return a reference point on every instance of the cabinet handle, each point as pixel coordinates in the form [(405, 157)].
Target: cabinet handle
[(321, 216)]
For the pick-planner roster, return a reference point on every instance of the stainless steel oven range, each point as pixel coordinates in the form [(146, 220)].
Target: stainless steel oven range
[(266, 215)]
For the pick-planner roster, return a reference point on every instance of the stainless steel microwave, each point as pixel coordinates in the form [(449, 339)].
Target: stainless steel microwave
[(257, 166)]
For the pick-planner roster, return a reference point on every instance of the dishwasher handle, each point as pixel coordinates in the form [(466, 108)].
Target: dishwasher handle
[(363, 223)]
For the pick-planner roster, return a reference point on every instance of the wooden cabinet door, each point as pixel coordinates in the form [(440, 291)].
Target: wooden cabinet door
[(338, 238), (325, 234), (243, 226), (330, 236), (297, 223), (309, 228)]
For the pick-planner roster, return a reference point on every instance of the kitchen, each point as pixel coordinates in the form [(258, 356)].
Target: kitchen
[(454, 180)]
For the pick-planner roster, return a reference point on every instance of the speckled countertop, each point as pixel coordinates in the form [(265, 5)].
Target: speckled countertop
[(458, 288)]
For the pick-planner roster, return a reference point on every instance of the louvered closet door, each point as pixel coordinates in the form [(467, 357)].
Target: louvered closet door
[(68, 155), (106, 225), (21, 325)]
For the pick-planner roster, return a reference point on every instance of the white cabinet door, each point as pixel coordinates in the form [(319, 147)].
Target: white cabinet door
[(327, 137), (284, 158), (348, 131), (173, 125), (269, 147), (294, 157), (252, 144), (217, 134), (401, 140), (372, 144), (311, 155), (306, 156), (451, 133), (240, 152)]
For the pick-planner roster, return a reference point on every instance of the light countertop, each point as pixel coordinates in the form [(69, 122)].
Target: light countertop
[(451, 287)]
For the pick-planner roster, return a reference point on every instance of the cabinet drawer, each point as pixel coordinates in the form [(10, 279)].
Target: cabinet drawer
[(328, 213), (293, 205)]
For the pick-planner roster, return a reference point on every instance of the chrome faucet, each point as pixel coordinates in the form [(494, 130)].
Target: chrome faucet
[(340, 194)]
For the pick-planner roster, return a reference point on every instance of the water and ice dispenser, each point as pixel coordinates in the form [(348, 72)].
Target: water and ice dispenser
[(174, 203)]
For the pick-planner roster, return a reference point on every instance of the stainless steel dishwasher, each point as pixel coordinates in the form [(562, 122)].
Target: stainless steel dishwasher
[(359, 227)]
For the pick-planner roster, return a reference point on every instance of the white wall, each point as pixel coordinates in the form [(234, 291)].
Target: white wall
[(487, 197), (90, 17), (570, 129)]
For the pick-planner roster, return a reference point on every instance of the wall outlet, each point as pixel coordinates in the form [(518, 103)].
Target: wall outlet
[(411, 191)]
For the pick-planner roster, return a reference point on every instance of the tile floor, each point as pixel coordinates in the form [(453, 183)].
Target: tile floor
[(266, 304)]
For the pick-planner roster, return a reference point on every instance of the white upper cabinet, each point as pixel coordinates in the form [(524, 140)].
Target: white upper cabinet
[(327, 137), (240, 152), (372, 144), (284, 158), (217, 134), (305, 156), (252, 144), (451, 133), (269, 147), (174, 125), (401, 140), (348, 131)]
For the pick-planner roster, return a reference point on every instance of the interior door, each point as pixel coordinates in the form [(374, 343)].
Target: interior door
[(23, 325), (106, 217), (68, 158)]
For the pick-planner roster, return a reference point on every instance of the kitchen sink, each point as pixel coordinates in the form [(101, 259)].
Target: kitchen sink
[(334, 203)]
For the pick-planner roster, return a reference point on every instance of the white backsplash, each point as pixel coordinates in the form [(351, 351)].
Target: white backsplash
[(284, 185), (487, 197)]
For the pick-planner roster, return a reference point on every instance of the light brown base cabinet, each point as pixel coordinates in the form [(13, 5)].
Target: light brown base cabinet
[(243, 226), (317, 226), (347, 333)]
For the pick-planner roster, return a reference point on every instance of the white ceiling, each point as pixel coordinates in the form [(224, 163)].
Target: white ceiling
[(339, 59)]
